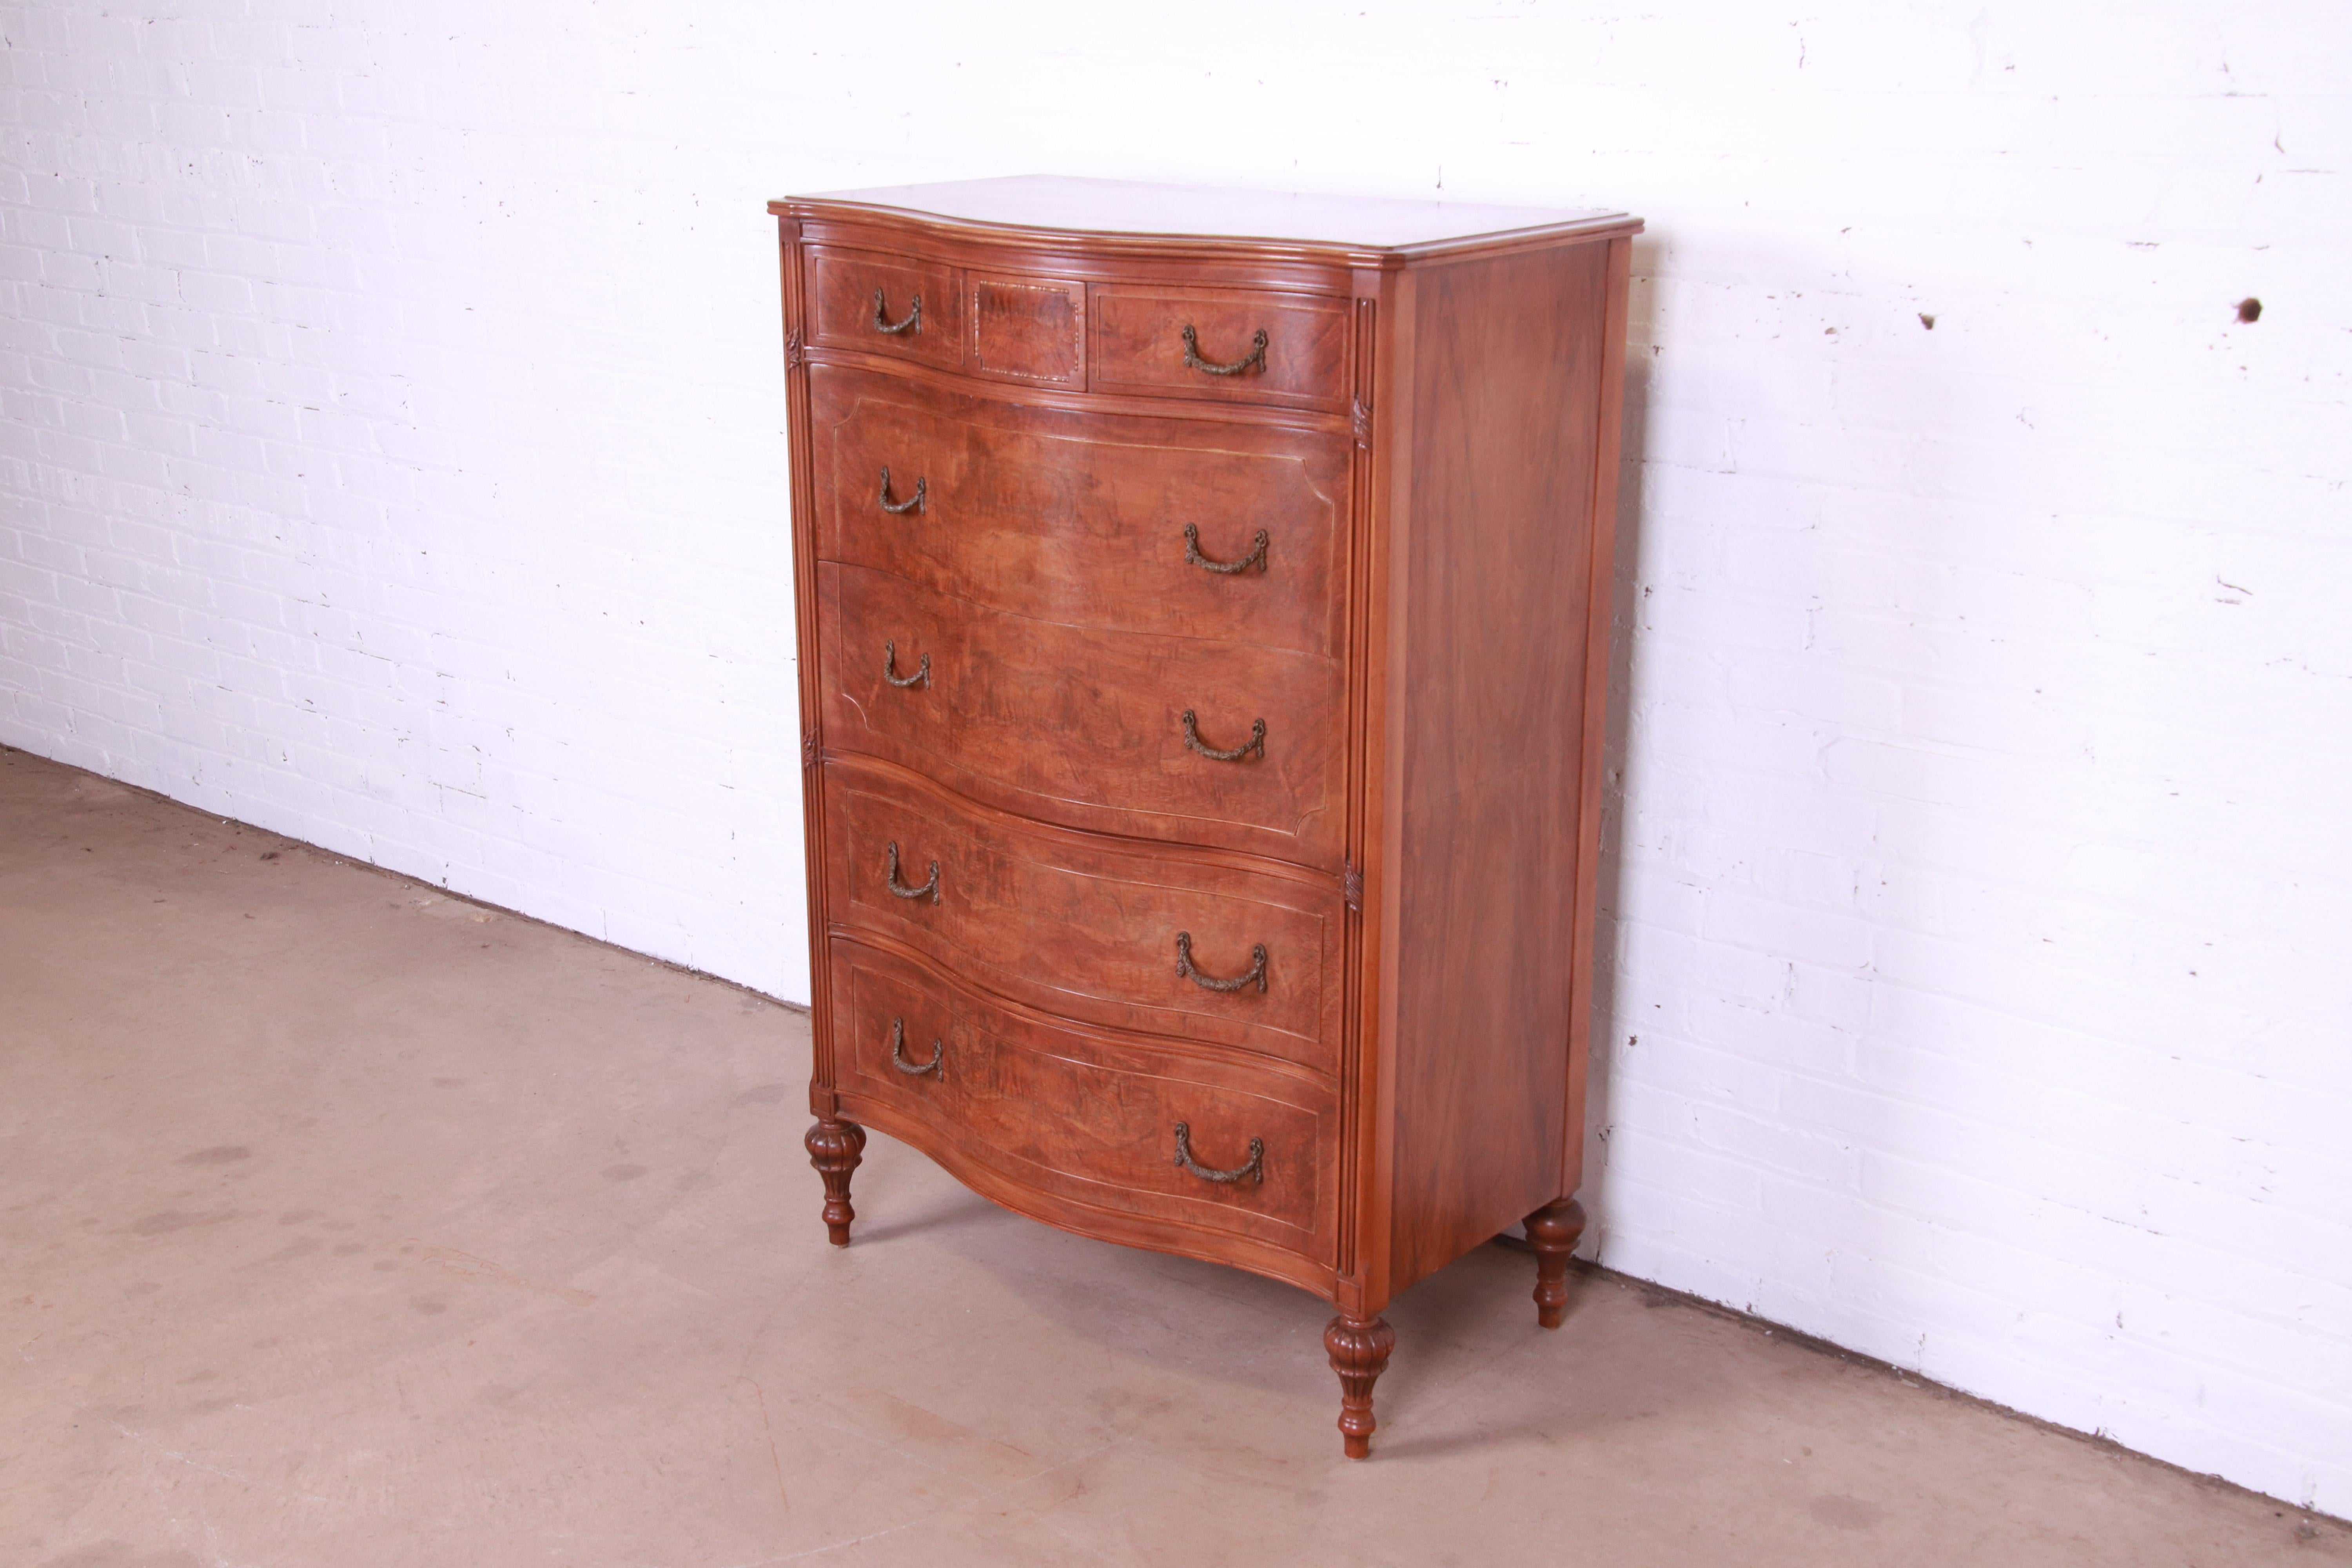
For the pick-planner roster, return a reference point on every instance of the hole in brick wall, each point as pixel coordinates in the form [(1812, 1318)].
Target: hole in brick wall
[(2250, 309)]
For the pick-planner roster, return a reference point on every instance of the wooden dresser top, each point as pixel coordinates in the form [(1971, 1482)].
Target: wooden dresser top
[(1130, 210)]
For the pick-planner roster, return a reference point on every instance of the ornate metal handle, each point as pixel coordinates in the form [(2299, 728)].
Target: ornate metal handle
[(938, 1064), (1193, 360), (1254, 1171), (929, 889), (1193, 556), (912, 503), (1257, 975), (922, 676), (883, 323), (1256, 742)]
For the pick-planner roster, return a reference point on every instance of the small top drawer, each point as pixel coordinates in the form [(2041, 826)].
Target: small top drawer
[(886, 304), (1242, 347)]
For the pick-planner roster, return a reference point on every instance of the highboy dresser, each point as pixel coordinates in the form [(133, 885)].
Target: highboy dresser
[(1204, 612)]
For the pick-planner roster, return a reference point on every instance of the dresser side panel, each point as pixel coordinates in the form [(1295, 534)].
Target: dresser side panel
[(1490, 695), (792, 258)]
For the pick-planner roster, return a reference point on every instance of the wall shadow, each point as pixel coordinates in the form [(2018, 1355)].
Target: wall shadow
[(1625, 618)]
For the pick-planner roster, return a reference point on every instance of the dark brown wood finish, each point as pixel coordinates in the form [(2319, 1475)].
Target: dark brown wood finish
[(996, 675)]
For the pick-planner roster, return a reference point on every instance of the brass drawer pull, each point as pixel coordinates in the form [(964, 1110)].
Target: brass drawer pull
[(1193, 556), (883, 323), (912, 503), (938, 1064), (1257, 975), (929, 889), (1193, 360), (922, 676), (1256, 742), (1254, 1171)]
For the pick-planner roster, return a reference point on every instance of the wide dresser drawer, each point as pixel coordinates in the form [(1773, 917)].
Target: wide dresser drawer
[(1236, 346), (1184, 739), (1026, 1107), (1184, 526), (1215, 949)]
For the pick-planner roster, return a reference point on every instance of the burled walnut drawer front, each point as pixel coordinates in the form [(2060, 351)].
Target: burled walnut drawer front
[(1004, 326), (1184, 527), (1085, 927), (886, 304), (1079, 1114), (1246, 347), (1228, 744), (1027, 330)]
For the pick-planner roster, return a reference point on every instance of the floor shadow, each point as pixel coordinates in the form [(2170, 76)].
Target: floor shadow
[(969, 1212)]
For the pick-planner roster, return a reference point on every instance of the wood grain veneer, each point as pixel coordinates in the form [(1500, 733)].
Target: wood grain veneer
[(1313, 1001), (1117, 907), (1053, 514)]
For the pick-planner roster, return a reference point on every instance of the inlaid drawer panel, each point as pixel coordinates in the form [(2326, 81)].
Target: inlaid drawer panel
[(1084, 927), (1085, 520), (886, 304), (1226, 744), (1204, 343), (1031, 330), (1082, 1114)]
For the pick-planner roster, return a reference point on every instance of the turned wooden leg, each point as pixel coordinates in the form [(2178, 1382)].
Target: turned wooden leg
[(1552, 1230), (1359, 1352), (834, 1149)]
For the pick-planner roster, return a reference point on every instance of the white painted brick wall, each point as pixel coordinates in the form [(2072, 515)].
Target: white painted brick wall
[(392, 456)]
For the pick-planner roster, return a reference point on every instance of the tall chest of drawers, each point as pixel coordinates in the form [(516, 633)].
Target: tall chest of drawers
[(1203, 617)]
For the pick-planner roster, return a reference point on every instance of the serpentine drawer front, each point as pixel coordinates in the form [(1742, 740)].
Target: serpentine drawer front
[(1202, 603), (1243, 955), (1083, 1119), (1162, 737), (886, 304), (1182, 527), (1201, 342)]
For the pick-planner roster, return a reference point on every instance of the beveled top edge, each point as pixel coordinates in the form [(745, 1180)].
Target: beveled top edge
[(1133, 210)]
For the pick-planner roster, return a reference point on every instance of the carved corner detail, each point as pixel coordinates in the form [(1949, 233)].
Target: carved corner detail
[(808, 749), (1352, 885), (1361, 417), (793, 350)]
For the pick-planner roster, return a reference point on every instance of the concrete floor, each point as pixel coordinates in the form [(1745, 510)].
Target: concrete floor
[(346, 1223)]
